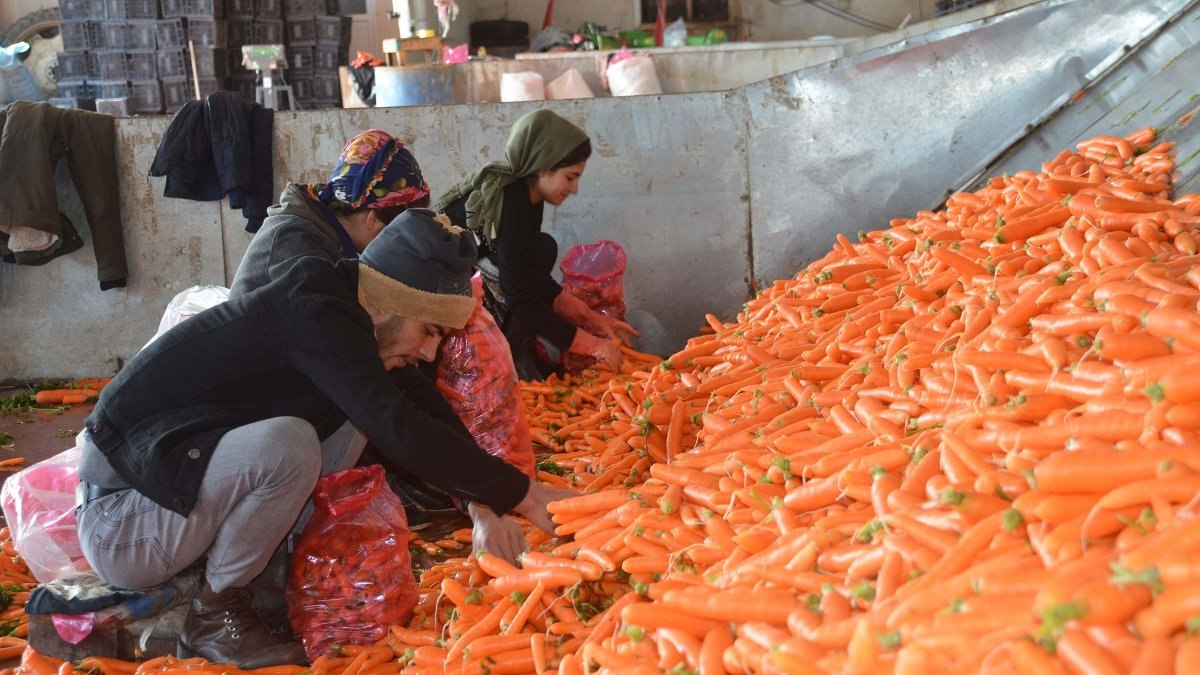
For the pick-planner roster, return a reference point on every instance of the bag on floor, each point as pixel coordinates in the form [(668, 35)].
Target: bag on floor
[(39, 507), (351, 573), (477, 376), (594, 273), (187, 304)]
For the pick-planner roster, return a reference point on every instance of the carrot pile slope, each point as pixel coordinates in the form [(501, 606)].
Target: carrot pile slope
[(966, 442)]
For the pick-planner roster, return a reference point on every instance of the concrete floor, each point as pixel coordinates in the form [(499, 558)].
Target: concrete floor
[(37, 436)]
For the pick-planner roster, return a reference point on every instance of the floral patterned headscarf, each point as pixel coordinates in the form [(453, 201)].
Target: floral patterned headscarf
[(375, 171)]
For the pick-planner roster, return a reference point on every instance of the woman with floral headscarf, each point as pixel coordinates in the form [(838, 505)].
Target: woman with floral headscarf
[(375, 180), (502, 204)]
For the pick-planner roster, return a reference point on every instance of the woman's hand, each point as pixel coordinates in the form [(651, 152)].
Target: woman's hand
[(571, 308), (613, 328), (603, 350)]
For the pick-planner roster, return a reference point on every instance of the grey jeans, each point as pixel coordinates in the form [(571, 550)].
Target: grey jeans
[(254, 492)]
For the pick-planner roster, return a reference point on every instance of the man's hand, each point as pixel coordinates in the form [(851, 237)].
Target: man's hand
[(533, 506), (495, 534), (613, 328)]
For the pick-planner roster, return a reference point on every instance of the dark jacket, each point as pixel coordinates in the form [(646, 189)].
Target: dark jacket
[(216, 147), (34, 137), (295, 228), (525, 266), (301, 346)]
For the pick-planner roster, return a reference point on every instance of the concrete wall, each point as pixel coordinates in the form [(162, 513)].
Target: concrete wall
[(667, 181)]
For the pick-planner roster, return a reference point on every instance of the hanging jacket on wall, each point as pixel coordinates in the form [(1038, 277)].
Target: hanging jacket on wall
[(34, 137), (216, 147)]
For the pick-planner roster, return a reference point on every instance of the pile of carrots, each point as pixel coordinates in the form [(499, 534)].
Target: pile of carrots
[(961, 443), (79, 391), (964, 443)]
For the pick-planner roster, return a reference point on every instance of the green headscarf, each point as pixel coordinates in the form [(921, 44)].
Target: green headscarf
[(536, 143)]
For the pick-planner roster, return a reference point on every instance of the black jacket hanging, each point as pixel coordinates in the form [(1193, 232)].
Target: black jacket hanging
[(216, 147)]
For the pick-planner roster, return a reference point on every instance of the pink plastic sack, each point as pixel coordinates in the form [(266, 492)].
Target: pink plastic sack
[(351, 575), (39, 506), (595, 274), (457, 54), (477, 376)]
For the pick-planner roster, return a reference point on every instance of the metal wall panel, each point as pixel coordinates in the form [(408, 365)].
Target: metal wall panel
[(848, 145)]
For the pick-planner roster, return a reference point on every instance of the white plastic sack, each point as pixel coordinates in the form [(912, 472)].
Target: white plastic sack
[(39, 506), (188, 304), (634, 76), (523, 86), (568, 85)]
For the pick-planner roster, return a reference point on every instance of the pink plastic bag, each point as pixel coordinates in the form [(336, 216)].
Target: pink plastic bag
[(595, 274), (351, 575), (457, 54), (477, 376), (39, 506)]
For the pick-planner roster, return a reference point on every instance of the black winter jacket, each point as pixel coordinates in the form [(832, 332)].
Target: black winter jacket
[(216, 147), (300, 346)]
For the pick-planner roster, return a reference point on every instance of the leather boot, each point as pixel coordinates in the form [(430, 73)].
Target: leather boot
[(223, 628)]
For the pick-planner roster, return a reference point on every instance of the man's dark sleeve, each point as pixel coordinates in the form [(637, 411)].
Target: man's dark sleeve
[(523, 279), (340, 356)]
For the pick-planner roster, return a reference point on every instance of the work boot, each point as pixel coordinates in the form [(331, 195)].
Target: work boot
[(223, 628)]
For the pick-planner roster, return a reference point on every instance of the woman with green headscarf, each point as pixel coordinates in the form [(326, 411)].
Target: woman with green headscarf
[(503, 204)]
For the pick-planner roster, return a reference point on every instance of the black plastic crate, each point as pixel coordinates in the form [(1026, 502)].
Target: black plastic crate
[(141, 66), (170, 33), (303, 8), (302, 87), (176, 91), (131, 9), (327, 58), (146, 97), (239, 9), (118, 89), (111, 66), (75, 89), (76, 66), (179, 8), (268, 9), (258, 32), (300, 60), (301, 32), (324, 103), (78, 10), (211, 63), (97, 9), (173, 63), (327, 86), (78, 36), (74, 103), (244, 85), (206, 32), (134, 35), (332, 30)]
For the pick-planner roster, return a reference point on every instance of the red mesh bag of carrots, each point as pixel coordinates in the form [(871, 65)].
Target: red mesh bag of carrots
[(351, 572), (477, 376)]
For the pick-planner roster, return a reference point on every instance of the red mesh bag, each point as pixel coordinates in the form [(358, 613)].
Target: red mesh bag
[(351, 576), (477, 376), (594, 273)]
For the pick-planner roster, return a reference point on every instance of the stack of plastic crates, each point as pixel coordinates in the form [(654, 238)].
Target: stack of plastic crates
[(193, 53), (317, 43), (82, 31)]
